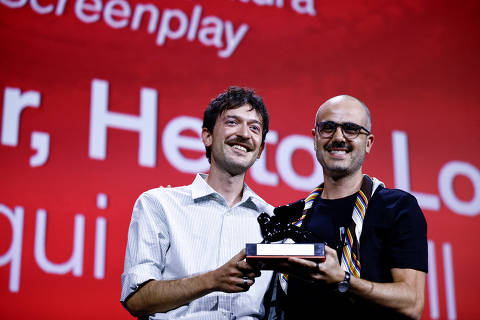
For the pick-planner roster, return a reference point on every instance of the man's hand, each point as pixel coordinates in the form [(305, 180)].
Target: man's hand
[(163, 295), (405, 294), (328, 271), (234, 276)]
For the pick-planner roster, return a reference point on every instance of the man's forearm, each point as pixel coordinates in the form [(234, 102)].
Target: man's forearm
[(405, 294), (165, 295)]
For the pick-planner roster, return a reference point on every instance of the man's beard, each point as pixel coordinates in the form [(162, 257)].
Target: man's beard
[(232, 165), (338, 171)]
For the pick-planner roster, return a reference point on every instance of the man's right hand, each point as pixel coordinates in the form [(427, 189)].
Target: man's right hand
[(234, 276), (164, 295)]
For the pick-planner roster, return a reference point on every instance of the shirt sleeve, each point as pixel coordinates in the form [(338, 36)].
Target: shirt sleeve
[(409, 236), (147, 244)]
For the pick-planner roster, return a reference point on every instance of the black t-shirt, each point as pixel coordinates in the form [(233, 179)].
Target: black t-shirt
[(394, 235)]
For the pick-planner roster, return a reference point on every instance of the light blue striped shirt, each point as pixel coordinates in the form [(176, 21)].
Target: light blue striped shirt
[(179, 232)]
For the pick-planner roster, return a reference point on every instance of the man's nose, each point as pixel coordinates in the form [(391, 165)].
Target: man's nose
[(244, 131), (338, 134)]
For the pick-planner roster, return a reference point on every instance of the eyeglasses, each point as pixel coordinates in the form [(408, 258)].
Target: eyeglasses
[(350, 130)]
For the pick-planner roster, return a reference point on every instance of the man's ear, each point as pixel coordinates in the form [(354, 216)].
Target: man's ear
[(261, 150), (314, 140), (370, 139), (207, 137)]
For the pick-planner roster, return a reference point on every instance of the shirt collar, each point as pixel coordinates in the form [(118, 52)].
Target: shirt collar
[(201, 189)]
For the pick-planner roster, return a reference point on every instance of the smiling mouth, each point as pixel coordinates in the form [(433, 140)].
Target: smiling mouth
[(338, 151), (241, 148), (338, 148)]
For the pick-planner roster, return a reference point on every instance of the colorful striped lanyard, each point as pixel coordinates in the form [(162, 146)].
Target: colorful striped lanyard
[(351, 249)]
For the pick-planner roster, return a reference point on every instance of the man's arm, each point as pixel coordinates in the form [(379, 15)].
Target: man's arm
[(164, 295), (405, 294)]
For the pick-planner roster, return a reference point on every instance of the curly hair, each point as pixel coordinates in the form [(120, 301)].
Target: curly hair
[(234, 97)]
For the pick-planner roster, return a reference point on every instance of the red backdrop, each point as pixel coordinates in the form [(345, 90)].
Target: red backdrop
[(70, 170)]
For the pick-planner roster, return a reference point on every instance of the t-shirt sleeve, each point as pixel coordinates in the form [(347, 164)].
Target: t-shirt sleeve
[(409, 235), (146, 246)]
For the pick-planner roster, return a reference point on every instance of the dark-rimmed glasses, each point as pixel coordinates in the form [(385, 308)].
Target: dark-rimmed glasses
[(350, 130)]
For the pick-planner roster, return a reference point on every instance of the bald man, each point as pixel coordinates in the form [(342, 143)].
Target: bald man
[(376, 253)]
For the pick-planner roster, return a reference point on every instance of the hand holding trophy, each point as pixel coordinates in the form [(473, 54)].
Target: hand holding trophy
[(279, 228)]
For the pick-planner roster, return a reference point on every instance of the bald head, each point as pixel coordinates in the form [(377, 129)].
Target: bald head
[(341, 153), (349, 103)]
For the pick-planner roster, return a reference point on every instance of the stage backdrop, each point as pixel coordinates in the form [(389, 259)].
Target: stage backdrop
[(102, 99)]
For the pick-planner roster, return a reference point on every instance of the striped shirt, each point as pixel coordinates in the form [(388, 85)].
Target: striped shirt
[(179, 232)]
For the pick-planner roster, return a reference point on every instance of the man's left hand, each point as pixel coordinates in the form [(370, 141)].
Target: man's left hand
[(328, 271)]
